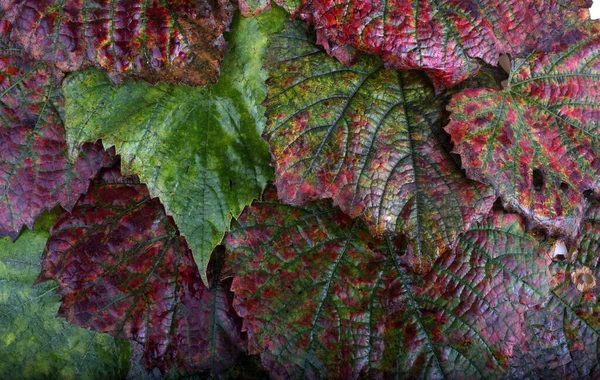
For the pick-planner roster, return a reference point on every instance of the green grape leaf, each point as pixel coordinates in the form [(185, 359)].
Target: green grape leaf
[(198, 149), (370, 139), (537, 141), (34, 344), (321, 298)]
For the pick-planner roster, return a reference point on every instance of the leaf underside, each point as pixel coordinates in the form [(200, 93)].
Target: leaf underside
[(369, 139), (198, 149), (321, 298), (123, 269), (36, 172), (159, 40), (443, 38), (537, 140)]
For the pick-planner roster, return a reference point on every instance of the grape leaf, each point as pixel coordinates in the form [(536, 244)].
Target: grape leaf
[(198, 149), (537, 140), (33, 342), (36, 173), (253, 7), (320, 298), (168, 40), (123, 269), (444, 38), (369, 139), (563, 339)]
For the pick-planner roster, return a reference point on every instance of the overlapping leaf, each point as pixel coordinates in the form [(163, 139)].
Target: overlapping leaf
[(34, 344), (444, 38), (157, 40), (368, 138), (123, 269), (537, 141), (253, 7), (563, 339), (199, 150), (320, 298), (36, 173)]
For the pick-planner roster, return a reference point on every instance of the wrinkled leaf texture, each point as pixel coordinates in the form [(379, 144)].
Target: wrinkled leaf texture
[(537, 140), (34, 344), (368, 138), (198, 149), (563, 341), (253, 7), (321, 298), (123, 269), (177, 41), (36, 172), (444, 38)]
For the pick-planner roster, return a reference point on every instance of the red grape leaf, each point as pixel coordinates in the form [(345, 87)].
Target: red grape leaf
[(444, 38), (563, 339), (368, 138), (178, 41), (320, 298), (36, 173), (123, 269), (537, 141)]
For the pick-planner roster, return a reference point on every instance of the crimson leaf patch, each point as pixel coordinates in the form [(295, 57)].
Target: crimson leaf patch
[(36, 172), (123, 269)]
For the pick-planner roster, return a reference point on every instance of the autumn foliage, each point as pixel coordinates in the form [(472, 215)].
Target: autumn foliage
[(299, 189)]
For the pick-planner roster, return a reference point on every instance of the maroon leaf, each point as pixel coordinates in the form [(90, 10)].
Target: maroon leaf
[(320, 298), (537, 140), (123, 269), (167, 40), (370, 139), (36, 173), (444, 38)]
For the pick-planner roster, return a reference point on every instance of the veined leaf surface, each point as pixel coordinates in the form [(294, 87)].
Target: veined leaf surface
[(36, 172), (123, 269), (368, 138), (34, 344), (198, 149), (563, 339), (321, 298), (156, 40), (445, 38), (537, 140)]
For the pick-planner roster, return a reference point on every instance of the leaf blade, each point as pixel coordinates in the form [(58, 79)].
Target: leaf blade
[(123, 269), (36, 344), (369, 139), (168, 41), (535, 141), (36, 172), (443, 38), (199, 150), (321, 298)]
